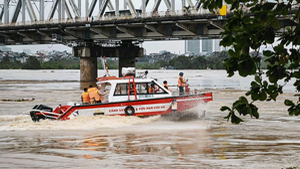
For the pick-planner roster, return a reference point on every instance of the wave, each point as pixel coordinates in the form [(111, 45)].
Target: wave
[(24, 123)]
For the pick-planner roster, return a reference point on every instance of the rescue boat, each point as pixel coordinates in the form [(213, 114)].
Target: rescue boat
[(125, 96)]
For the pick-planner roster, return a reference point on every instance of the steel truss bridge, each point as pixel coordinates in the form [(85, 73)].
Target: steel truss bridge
[(103, 21)]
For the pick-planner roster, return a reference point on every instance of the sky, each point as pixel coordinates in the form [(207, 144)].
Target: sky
[(171, 46)]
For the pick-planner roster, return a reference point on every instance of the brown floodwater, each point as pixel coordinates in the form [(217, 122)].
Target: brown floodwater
[(200, 138)]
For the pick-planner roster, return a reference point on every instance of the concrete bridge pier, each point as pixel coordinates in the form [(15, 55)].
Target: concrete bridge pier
[(88, 66)]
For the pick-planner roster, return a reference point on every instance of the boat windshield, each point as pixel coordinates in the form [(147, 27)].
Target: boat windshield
[(141, 88)]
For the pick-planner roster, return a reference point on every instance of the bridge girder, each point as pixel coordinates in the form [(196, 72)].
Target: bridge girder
[(135, 29)]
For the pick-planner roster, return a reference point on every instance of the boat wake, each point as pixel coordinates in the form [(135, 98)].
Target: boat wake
[(195, 113), (24, 123)]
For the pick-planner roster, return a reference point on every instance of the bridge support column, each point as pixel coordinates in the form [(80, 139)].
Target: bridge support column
[(88, 69), (128, 53), (88, 66)]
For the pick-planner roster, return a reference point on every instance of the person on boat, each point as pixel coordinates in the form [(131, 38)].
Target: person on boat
[(94, 96), (85, 98), (156, 87), (100, 95), (118, 90), (90, 91), (166, 85), (152, 88), (181, 83)]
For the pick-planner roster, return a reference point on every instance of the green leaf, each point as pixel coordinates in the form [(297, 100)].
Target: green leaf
[(257, 79), (243, 99), (291, 110), (265, 84), (262, 95), (219, 3), (269, 36), (246, 67), (254, 111), (224, 108), (227, 40), (246, 19), (276, 24), (268, 6), (235, 119), (289, 103), (297, 111), (254, 96), (267, 53), (241, 105), (231, 53), (228, 116)]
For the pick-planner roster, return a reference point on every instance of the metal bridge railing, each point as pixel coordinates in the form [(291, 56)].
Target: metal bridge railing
[(104, 18)]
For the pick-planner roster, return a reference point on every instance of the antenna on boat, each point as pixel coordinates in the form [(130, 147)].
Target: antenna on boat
[(104, 65)]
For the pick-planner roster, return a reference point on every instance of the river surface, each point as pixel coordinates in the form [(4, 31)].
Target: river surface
[(198, 139)]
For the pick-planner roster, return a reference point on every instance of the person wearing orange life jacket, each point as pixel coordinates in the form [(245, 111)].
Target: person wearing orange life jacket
[(166, 85), (85, 98), (181, 83), (94, 96), (152, 88)]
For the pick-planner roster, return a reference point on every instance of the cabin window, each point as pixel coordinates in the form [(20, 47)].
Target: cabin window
[(121, 89), (141, 88), (157, 89)]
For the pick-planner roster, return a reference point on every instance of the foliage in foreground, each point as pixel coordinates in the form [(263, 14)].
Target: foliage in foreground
[(246, 32)]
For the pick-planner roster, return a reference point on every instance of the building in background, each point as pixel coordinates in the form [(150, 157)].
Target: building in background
[(202, 46), (192, 47), (207, 46)]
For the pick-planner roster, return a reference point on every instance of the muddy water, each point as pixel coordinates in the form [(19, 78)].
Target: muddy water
[(200, 138)]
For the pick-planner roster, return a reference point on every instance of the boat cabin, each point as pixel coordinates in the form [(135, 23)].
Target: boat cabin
[(128, 88)]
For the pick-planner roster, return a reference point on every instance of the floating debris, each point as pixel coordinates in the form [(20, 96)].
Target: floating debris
[(18, 100)]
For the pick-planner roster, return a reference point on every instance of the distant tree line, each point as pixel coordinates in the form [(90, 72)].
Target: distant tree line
[(214, 61), (34, 63), (188, 62)]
